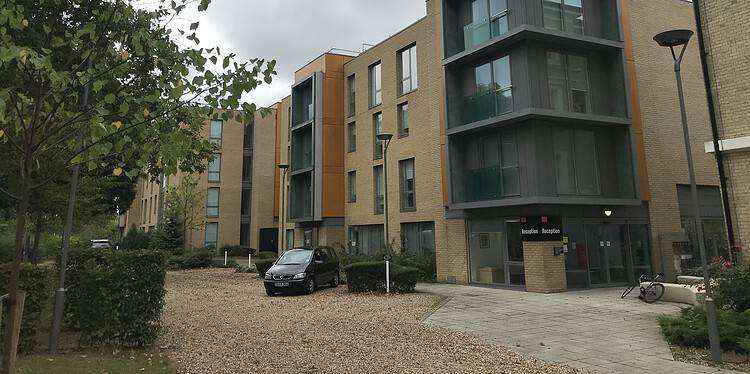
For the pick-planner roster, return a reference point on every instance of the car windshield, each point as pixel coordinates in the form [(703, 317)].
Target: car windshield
[(295, 257)]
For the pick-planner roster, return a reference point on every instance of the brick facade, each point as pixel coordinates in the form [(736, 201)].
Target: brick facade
[(545, 272)]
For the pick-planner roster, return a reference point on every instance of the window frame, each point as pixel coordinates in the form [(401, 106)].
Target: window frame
[(403, 131), (351, 186), (377, 128), (575, 176), (375, 74), (211, 136), (215, 243), (208, 201), (217, 159), (404, 194), (378, 189), (567, 80), (411, 51), (351, 137), (351, 95), (421, 228), (563, 25)]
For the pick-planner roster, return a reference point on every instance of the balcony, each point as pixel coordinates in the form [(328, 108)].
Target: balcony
[(484, 105), (479, 32)]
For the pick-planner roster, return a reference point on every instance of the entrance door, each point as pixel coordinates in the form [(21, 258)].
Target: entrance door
[(268, 240), (514, 254), (608, 254)]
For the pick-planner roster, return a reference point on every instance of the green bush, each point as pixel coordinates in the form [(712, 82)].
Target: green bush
[(115, 297), (234, 251), (689, 329), (267, 255), (6, 254), (732, 288), (197, 259), (219, 263), (370, 276), (37, 281), (243, 269), (263, 264), (135, 239), (426, 265)]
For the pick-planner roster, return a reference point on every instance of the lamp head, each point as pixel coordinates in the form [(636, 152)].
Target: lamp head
[(607, 212), (673, 38), (283, 166), (384, 136)]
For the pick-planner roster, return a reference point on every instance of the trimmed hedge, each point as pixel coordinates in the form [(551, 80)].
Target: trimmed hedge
[(115, 297), (370, 276), (37, 281), (263, 264), (689, 329), (234, 251), (267, 254), (197, 259)]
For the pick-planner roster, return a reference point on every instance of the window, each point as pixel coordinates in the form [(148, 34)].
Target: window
[(245, 201), (407, 65), (351, 137), (568, 80), (289, 238), (212, 202), (215, 135), (406, 171), (212, 234), (403, 120), (492, 93), (247, 167), (489, 18), (377, 128), (351, 95), (367, 239), (492, 170), (564, 15), (214, 168), (576, 167), (245, 234), (418, 238), (247, 141), (376, 95), (379, 197), (351, 183)]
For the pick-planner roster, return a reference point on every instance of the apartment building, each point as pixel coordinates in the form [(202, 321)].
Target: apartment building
[(727, 45), (507, 117), (234, 208)]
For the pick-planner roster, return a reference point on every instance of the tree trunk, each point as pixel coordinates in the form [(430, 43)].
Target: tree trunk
[(37, 239), (23, 206)]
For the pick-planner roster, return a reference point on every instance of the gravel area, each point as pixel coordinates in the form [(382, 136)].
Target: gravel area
[(217, 321)]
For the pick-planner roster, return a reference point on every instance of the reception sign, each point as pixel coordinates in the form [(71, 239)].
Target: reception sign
[(541, 229)]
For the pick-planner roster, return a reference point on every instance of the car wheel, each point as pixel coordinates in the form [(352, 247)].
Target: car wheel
[(310, 286), (336, 280)]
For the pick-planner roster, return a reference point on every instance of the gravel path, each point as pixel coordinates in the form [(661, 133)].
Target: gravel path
[(217, 321)]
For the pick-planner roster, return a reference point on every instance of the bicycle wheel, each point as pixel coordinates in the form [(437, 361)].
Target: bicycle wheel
[(653, 293), (627, 291)]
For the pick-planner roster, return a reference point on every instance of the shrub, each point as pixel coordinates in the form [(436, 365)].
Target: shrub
[(37, 282), (6, 254), (219, 263), (689, 329), (197, 259), (243, 269), (732, 288), (135, 239), (263, 264), (370, 276), (267, 255), (234, 251), (424, 264), (115, 297)]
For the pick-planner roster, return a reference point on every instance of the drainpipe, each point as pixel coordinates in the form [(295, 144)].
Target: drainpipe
[(714, 125)]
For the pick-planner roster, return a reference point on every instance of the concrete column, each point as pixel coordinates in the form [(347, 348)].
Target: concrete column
[(545, 272)]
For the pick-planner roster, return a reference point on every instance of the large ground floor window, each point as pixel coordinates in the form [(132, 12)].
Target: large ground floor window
[(366, 239), (496, 252)]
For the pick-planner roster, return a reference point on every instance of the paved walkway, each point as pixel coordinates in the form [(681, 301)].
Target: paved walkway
[(592, 329)]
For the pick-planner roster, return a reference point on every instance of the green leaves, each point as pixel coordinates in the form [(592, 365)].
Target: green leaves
[(110, 98)]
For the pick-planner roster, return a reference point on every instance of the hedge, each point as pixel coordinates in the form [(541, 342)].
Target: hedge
[(370, 276), (197, 259), (263, 264), (115, 297), (37, 281), (268, 254), (689, 329)]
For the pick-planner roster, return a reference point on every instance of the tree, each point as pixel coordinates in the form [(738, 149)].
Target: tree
[(94, 83), (184, 203)]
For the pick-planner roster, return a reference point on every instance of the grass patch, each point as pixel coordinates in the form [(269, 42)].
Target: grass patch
[(93, 362)]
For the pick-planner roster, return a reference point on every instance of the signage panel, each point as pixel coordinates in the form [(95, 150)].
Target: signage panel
[(541, 229)]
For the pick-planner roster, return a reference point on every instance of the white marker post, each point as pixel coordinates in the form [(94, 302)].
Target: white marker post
[(387, 259), (225, 257), (249, 259)]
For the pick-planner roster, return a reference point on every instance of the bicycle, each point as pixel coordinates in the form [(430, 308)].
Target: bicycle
[(651, 292)]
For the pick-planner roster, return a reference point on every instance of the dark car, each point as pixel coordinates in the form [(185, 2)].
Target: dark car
[(302, 270)]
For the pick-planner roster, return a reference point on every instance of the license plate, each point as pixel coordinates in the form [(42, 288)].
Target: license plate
[(281, 284)]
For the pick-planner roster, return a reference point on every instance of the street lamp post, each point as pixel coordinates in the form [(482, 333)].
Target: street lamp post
[(385, 139), (283, 168), (681, 38)]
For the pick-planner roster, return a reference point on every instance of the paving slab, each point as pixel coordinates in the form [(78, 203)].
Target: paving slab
[(592, 329)]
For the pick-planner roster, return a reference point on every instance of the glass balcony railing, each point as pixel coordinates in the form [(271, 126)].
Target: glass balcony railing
[(485, 105), (479, 32), (484, 184)]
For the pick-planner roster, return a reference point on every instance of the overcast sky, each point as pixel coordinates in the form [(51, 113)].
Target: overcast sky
[(296, 31)]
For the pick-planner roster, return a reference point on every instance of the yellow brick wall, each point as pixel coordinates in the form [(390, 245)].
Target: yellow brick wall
[(545, 272)]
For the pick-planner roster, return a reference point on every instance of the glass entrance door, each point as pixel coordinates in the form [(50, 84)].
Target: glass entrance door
[(608, 254)]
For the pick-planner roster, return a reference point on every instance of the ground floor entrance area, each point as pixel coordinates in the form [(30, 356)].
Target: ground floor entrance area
[(596, 252)]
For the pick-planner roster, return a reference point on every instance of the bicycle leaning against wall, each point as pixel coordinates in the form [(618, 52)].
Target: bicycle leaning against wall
[(651, 292)]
